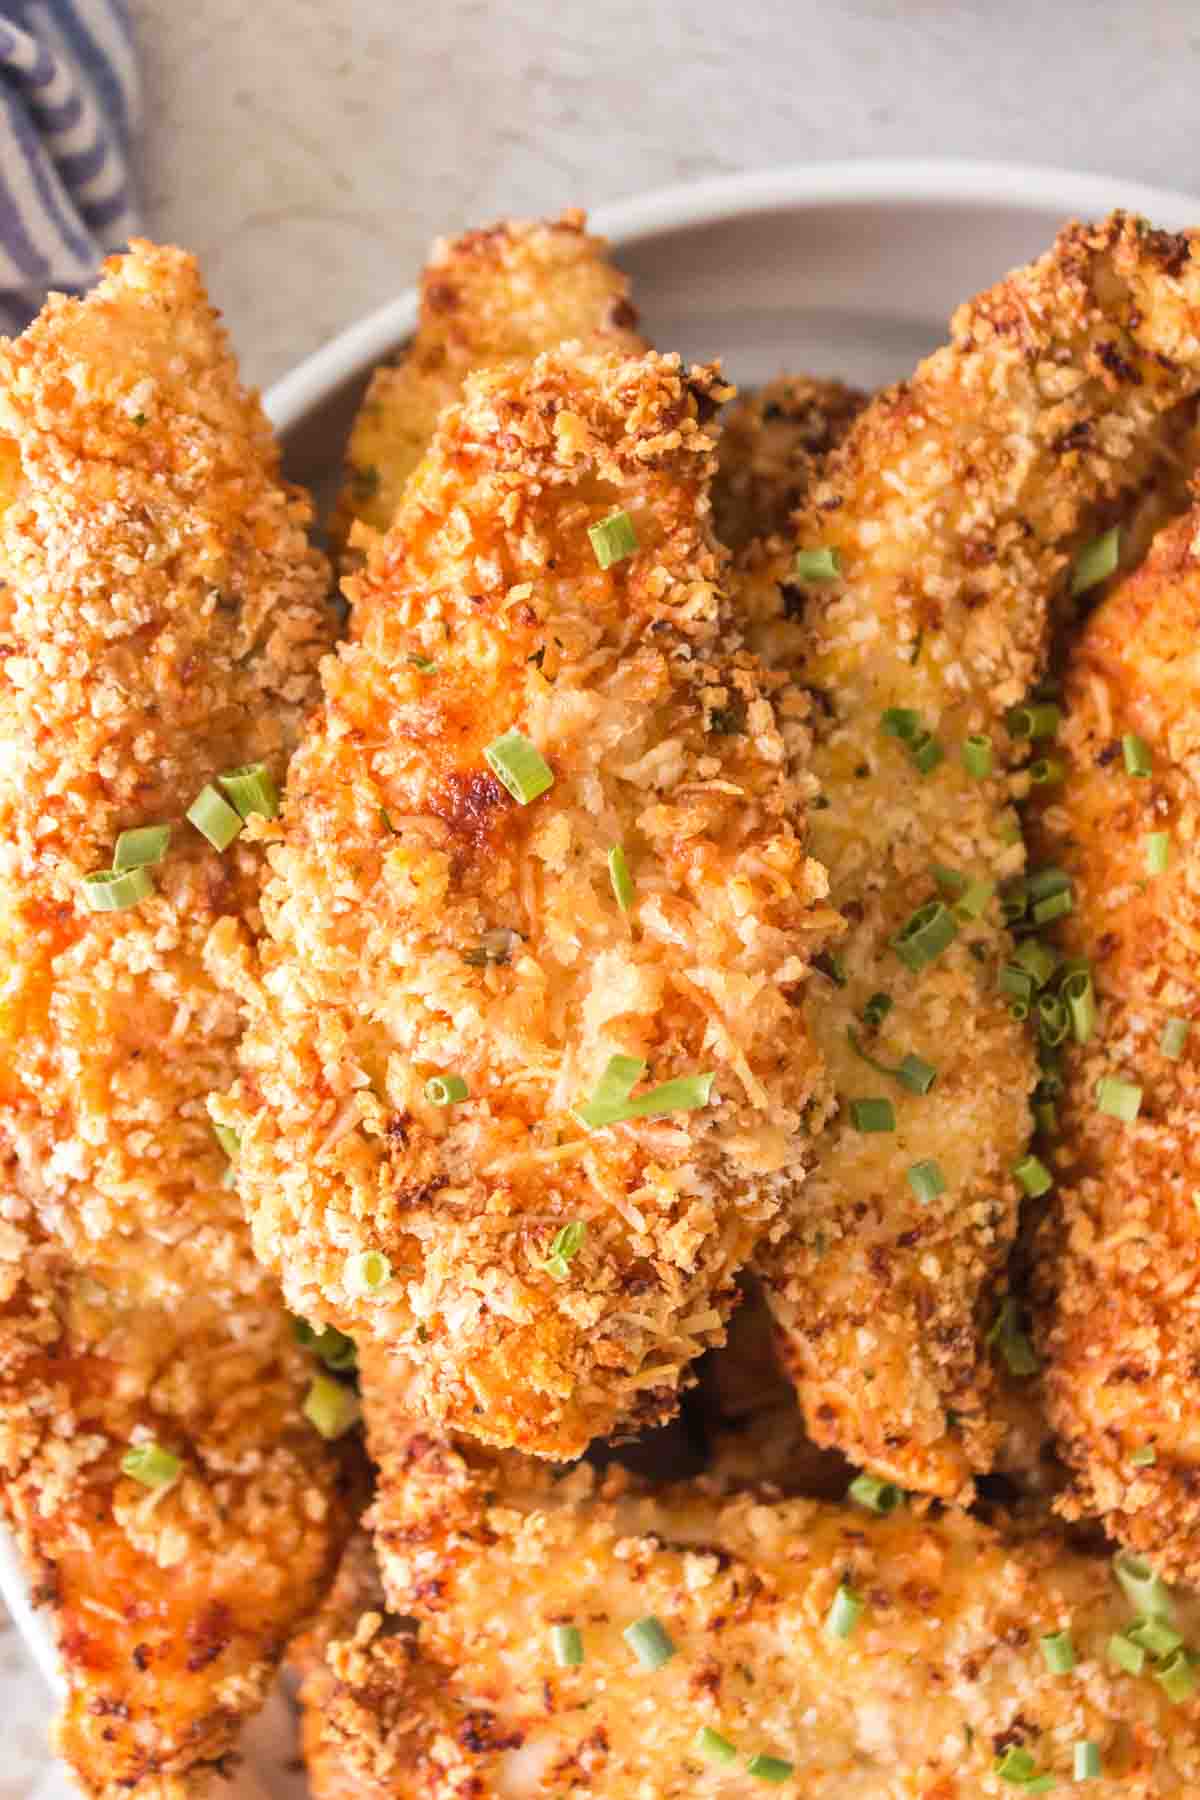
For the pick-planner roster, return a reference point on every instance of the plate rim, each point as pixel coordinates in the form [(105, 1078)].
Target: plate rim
[(849, 182)]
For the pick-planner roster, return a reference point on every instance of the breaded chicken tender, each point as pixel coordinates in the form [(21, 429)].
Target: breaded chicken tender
[(502, 294), (162, 616), (579, 1636), (1119, 1265), (772, 446), (917, 610), (551, 1277)]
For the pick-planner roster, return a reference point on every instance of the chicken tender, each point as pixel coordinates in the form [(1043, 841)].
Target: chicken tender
[(657, 1642), (502, 294), (162, 618), (916, 610), (649, 913), (1119, 1264)]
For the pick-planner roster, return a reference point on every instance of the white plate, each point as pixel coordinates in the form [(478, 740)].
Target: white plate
[(848, 269)]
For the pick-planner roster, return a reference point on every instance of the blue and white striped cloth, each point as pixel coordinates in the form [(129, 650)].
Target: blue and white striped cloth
[(70, 109)]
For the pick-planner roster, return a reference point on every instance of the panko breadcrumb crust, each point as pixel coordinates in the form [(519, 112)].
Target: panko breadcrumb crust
[(773, 443), (943, 1671), (161, 618), (501, 294), (1118, 1267), (421, 921), (955, 506)]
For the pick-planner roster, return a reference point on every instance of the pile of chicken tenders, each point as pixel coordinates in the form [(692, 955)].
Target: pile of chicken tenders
[(599, 1125)]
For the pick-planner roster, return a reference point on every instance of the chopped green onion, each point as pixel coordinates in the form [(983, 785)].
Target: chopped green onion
[(1033, 1176), (567, 1643), (368, 1271), (1016, 1765), (1046, 1116), (1041, 1784), (613, 539), (873, 1115), (916, 1074), (612, 1102), (1019, 1010), (926, 1180), (445, 1090), (214, 818), (337, 1351), (150, 1464), (331, 1407), (1009, 831), (1054, 1022), (1080, 1001), (565, 1247), (951, 881), (1174, 1037), (1012, 1343), (229, 1140), (1158, 852), (1059, 1652), (926, 752), (622, 880), (831, 965), (649, 1642), (1018, 983), (845, 1612), (1177, 1676), (252, 789), (1138, 760), (116, 890), (1125, 1654), (422, 665), (1156, 1636), (1054, 906), (923, 937), (901, 722), (882, 1497), (1037, 959), (1046, 770), (1042, 883), (1088, 1766), (1036, 719), (973, 901), (977, 755), (1096, 561), (711, 1745), (817, 565), (521, 767), (877, 1009), (1119, 1099), (1143, 1588), (769, 1768), (1145, 1458), (137, 849)]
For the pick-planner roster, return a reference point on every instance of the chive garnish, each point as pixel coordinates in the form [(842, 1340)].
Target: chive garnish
[(1174, 1037), (1087, 1765), (564, 1248), (150, 1464), (1156, 1636), (622, 880), (817, 565), (251, 789), (1036, 719), (912, 1071), (422, 665), (924, 936), (1054, 906), (1119, 1099), (141, 848), (1013, 1344), (900, 722), (1158, 852), (1046, 770), (1096, 561), (1080, 1001), (926, 1180), (1033, 1176), (229, 1139), (873, 1115), (368, 1271), (1017, 983), (650, 1643), (845, 1612), (612, 1102), (613, 539), (712, 1746), (882, 1497), (769, 1768), (1125, 1654), (1143, 1588), (1053, 1019), (566, 1641), (1177, 1676), (331, 1407), (877, 1009), (1037, 959), (519, 765), (1145, 1458), (1136, 751), (977, 755), (445, 1090), (926, 752), (1016, 1764), (1059, 1652), (115, 890), (214, 818)]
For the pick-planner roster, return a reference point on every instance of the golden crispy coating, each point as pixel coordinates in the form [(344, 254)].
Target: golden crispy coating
[(772, 445), (422, 922), (1119, 1268), (955, 505), (941, 1673), (162, 618), (502, 294)]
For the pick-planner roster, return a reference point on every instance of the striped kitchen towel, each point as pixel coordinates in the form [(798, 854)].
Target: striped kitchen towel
[(70, 103)]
